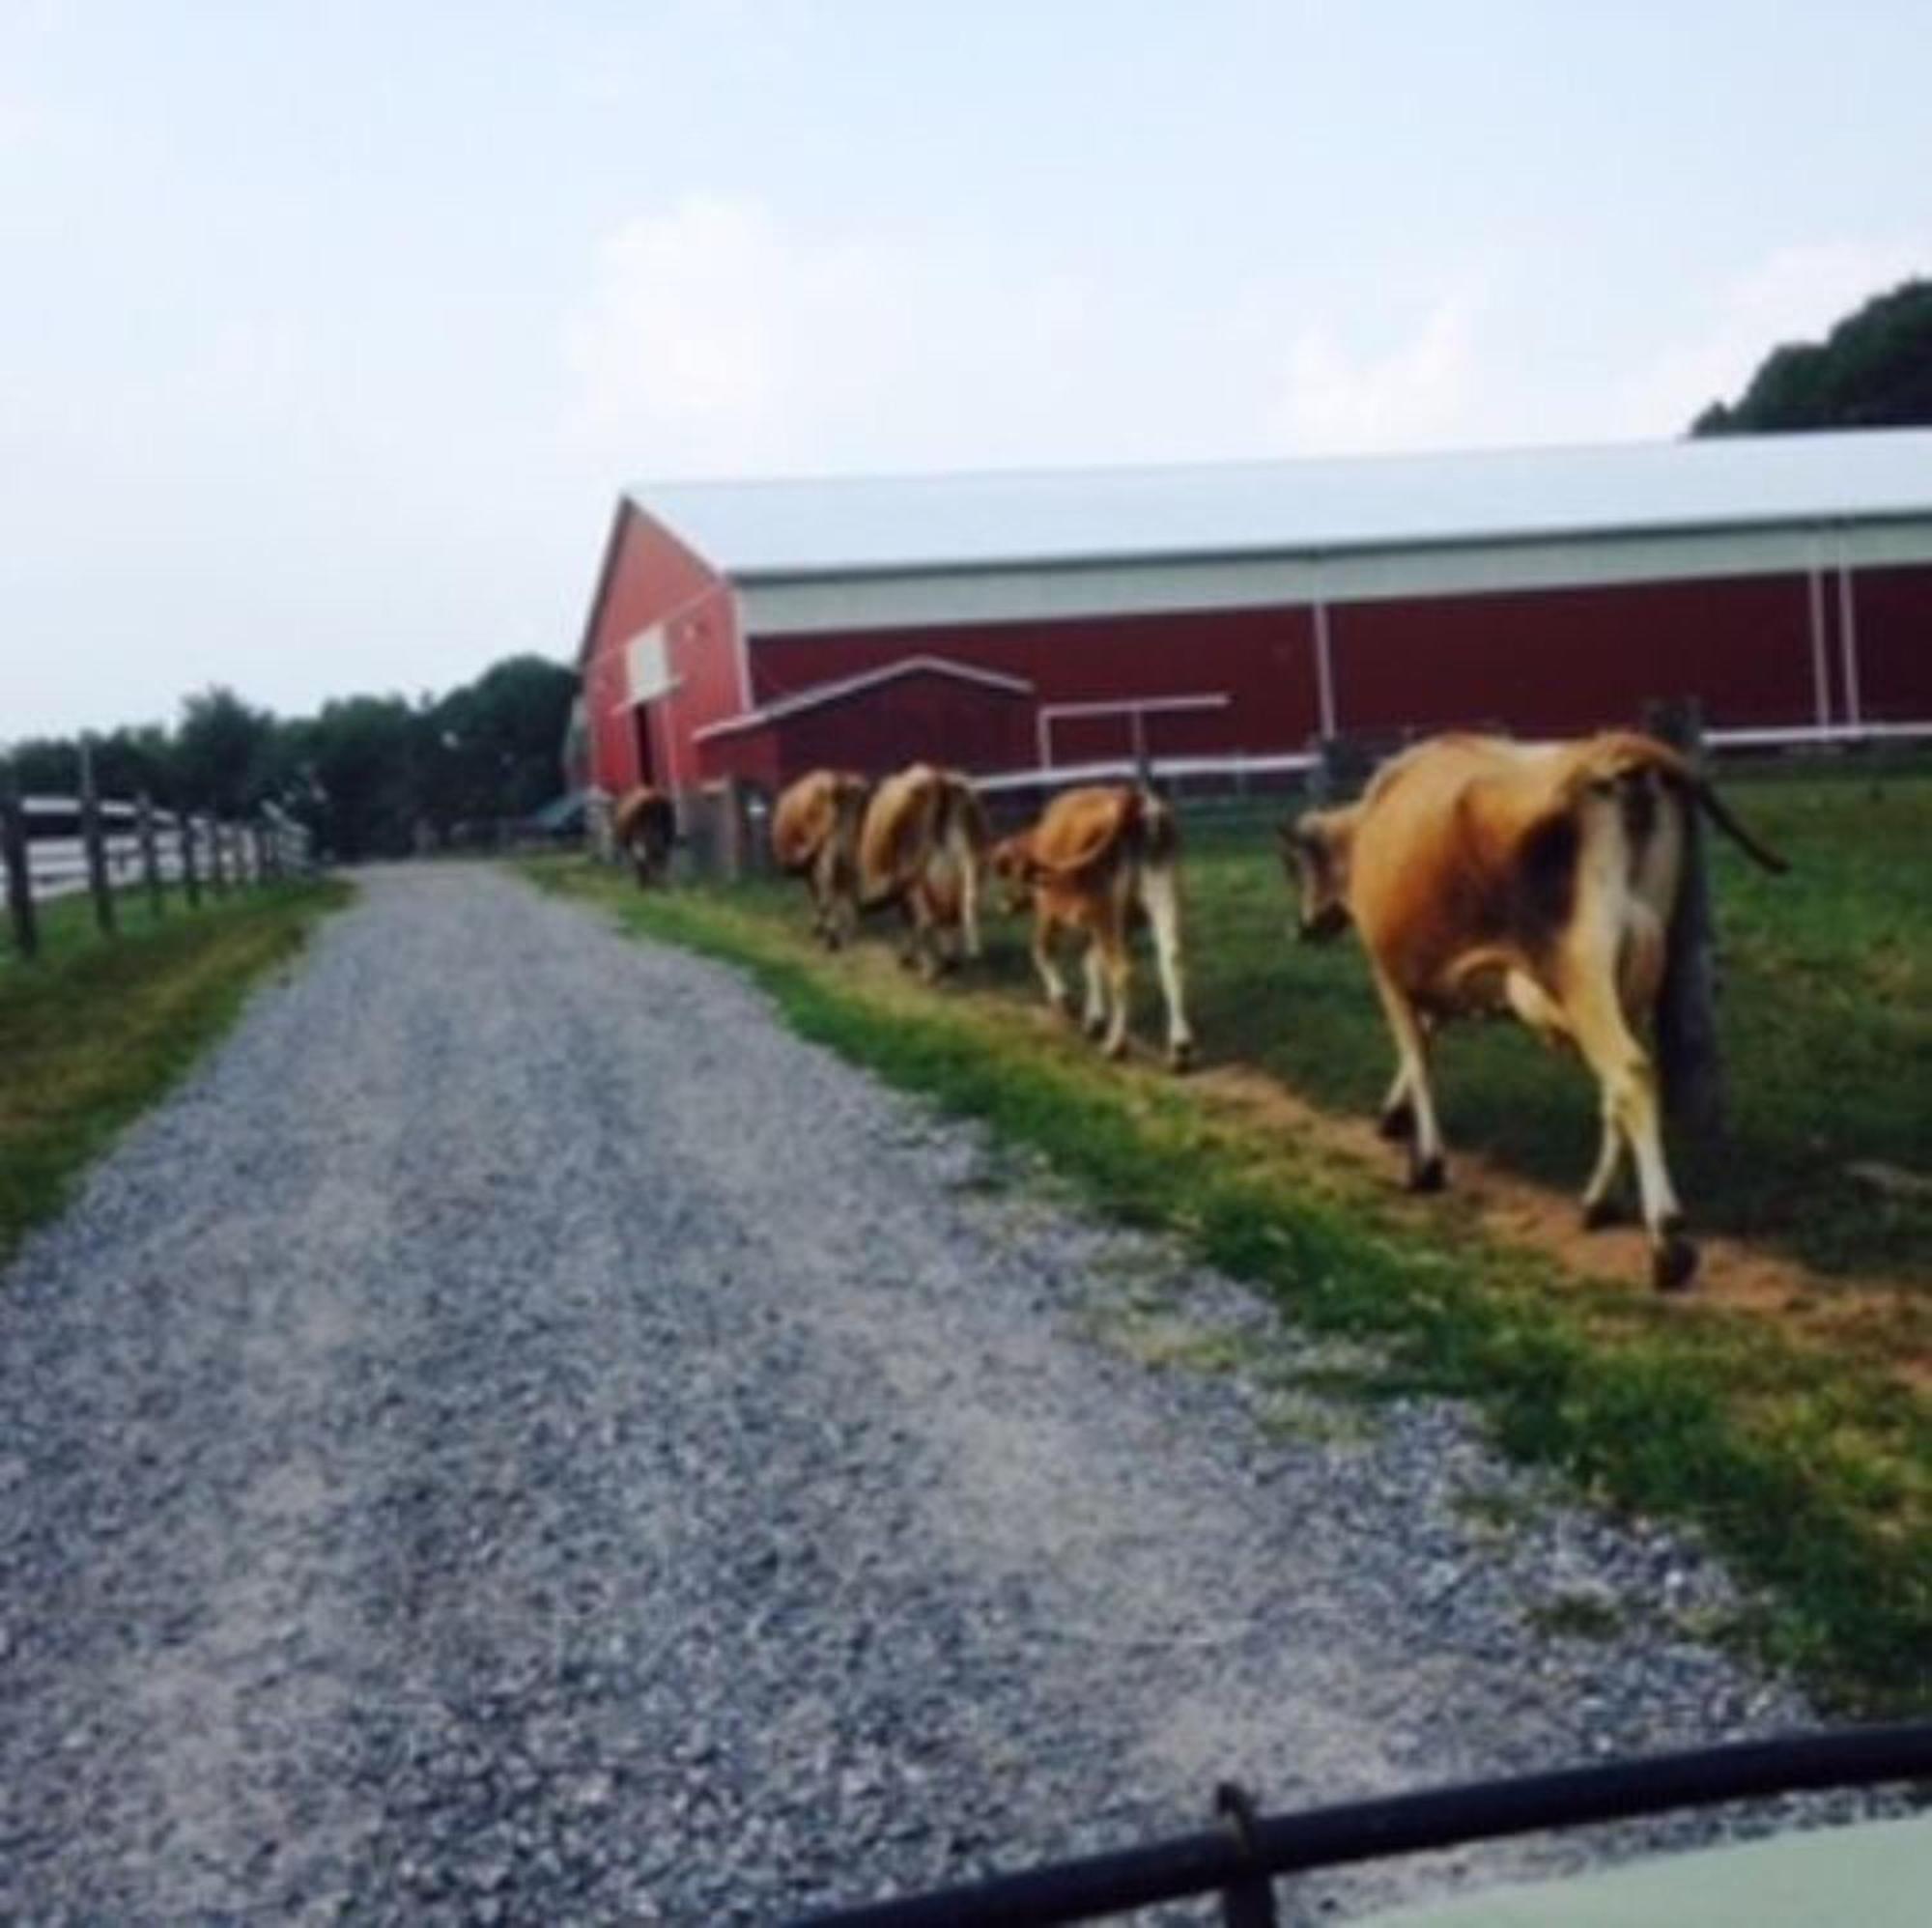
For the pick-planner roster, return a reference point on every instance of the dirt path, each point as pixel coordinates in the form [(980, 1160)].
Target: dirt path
[(521, 1437)]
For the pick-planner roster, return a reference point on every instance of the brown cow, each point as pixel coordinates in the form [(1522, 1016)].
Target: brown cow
[(1098, 862), (1535, 878), (645, 827), (815, 836), (922, 845)]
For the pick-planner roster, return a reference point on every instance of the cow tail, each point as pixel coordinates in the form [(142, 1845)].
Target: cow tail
[(1720, 814), (1158, 835)]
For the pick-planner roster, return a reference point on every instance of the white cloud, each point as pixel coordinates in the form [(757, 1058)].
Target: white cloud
[(1795, 294), (712, 340), (1420, 392)]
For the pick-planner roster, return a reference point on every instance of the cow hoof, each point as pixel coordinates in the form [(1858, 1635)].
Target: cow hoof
[(1115, 1051), (1427, 1176), (1599, 1213), (1398, 1123), (1096, 1028), (1180, 1056), (1672, 1265)]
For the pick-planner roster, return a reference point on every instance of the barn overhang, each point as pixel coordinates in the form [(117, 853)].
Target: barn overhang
[(1063, 590), (846, 689)]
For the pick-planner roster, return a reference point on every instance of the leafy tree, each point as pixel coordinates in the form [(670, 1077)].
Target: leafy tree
[(364, 755), (1874, 370), (222, 749)]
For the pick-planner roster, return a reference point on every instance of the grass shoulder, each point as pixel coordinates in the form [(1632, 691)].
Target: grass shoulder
[(1807, 1469), (94, 1033)]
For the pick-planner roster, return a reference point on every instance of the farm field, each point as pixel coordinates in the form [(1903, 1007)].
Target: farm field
[(1789, 1422), (95, 1031)]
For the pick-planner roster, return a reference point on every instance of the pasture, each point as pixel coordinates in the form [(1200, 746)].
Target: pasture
[(96, 1030), (1791, 1429)]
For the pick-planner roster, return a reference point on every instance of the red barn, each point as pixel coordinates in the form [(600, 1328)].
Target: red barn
[(1058, 618)]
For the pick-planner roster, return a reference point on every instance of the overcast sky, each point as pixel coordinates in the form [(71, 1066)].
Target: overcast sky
[(328, 333)]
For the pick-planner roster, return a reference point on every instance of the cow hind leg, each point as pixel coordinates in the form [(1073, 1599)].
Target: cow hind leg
[(1161, 898), (1111, 946), (1599, 1206), (1628, 1084), (1050, 978), (1093, 971), (1425, 1172), (1396, 1120)]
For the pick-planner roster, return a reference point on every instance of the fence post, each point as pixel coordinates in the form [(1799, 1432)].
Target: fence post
[(91, 839), (150, 860), (1688, 1053), (19, 866), (218, 866), (190, 878)]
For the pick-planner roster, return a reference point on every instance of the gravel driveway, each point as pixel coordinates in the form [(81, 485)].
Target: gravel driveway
[(520, 1437)]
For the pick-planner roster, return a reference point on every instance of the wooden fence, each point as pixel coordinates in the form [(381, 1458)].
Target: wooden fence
[(57, 847)]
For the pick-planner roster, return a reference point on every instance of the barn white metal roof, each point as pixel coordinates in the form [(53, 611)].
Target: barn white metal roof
[(804, 529)]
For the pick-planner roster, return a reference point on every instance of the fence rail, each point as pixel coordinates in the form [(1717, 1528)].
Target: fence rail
[(55, 847), (1241, 1857)]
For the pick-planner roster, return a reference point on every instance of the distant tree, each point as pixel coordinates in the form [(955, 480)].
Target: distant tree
[(1874, 370), (47, 766), (222, 751), (143, 756), (364, 757), (493, 744)]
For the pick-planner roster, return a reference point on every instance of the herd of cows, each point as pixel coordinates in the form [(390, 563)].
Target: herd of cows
[(1481, 874)]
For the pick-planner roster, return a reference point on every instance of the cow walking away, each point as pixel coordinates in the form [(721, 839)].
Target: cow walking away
[(815, 836), (1099, 861), (922, 845), (1538, 879), (645, 827)]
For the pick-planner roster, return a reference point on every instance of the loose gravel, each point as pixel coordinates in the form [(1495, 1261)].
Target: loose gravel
[(521, 1437)]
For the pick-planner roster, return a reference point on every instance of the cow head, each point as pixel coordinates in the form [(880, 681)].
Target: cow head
[(1315, 854), (1011, 866)]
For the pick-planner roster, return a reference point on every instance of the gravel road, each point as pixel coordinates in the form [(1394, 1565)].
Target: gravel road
[(521, 1437)]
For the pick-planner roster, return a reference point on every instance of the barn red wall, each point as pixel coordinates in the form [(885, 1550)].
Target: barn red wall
[(1264, 659), (651, 577), (1892, 616), (882, 728), (1570, 660)]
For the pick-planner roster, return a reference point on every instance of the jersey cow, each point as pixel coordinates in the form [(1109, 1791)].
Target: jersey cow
[(1540, 879), (922, 845), (645, 827), (1098, 862), (815, 836)]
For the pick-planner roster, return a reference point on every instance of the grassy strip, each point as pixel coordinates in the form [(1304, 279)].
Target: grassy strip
[(1808, 1473), (92, 1037), (1826, 1013)]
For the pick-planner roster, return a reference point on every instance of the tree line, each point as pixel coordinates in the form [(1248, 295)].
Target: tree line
[(1873, 370), (370, 776)]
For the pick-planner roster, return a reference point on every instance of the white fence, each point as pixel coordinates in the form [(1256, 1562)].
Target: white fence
[(48, 854)]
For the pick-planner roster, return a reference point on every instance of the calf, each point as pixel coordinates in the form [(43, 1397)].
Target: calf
[(1540, 879), (922, 845), (815, 836), (1098, 861), (645, 827)]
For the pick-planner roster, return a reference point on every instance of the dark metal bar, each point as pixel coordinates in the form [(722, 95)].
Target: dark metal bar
[(1409, 1823), (1247, 1903), (1689, 1052)]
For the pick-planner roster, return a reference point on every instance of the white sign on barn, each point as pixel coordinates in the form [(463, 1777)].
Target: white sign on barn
[(648, 665)]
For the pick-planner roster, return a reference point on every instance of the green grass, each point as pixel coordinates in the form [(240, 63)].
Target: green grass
[(94, 1031), (1826, 1016), (1807, 1469)]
